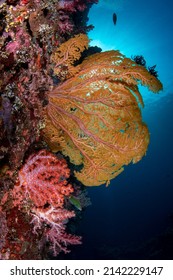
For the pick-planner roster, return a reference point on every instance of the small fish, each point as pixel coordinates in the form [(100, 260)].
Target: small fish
[(114, 17), (76, 202)]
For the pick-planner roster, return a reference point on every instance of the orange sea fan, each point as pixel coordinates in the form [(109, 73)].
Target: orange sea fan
[(66, 54), (95, 119)]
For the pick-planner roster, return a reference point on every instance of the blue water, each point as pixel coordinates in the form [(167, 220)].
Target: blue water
[(143, 27), (136, 207)]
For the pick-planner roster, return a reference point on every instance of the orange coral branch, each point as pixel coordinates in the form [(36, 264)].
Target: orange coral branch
[(67, 53)]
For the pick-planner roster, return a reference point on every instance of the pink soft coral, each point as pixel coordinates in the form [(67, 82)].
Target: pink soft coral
[(41, 188), (73, 5), (21, 40), (66, 10), (55, 220), (40, 191)]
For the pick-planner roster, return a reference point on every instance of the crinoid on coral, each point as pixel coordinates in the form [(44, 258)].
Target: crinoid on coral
[(95, 119)]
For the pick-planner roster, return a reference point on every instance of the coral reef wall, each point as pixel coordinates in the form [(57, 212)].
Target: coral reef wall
[(30, 32), (70, 117)]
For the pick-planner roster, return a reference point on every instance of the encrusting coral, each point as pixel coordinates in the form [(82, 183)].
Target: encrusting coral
[(95, 119)]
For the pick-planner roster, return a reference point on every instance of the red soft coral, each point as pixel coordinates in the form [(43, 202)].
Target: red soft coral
[(42, 179)]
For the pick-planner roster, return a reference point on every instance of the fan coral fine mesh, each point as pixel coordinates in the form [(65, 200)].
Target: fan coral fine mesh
[(95, 119), (66, 54)]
